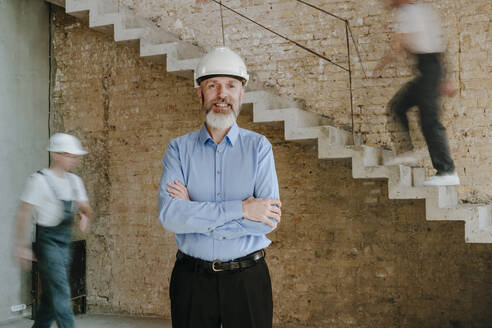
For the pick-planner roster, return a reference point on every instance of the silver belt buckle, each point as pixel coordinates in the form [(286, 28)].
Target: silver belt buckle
[(214, 269)]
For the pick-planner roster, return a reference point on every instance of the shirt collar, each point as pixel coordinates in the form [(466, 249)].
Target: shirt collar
[(231, 136), (203, 137)]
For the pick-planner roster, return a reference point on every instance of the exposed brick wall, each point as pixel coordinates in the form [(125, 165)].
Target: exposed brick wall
[(343, 256), (296, 73)]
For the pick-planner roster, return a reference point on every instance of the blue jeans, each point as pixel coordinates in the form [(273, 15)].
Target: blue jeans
[(53, 254)]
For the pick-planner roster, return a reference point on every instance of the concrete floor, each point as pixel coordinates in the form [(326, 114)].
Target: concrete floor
[(102, 321)]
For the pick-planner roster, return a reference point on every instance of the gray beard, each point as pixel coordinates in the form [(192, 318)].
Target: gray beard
[(220, 121)]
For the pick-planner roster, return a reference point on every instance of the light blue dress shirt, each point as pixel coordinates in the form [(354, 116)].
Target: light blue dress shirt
[(218, 177)]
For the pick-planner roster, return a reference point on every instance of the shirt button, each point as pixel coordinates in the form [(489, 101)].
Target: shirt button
[(218, 194), (218, 172)]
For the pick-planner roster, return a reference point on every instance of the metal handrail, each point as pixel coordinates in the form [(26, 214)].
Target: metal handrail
[(280, 35), (348, 31), (322, 10)]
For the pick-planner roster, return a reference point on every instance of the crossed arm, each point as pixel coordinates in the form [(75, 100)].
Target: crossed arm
[(220, 220), (254, 209)]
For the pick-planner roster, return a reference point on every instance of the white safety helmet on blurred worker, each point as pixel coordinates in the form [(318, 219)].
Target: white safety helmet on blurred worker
[(221, 61), (65, 143)]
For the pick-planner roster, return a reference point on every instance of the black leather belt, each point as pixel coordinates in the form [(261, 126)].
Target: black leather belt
[(218, 266)]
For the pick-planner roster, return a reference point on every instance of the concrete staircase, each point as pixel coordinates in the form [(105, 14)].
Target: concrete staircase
[(181, 58)]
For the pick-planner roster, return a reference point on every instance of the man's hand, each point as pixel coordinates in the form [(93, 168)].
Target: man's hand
[(447, 89), (84, 223), (178, 190), (262, 209), (25, 256), (22, 250), (85, 212)]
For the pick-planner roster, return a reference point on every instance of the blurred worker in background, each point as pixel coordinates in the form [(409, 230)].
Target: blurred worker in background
[(53, 197), (419, 33)]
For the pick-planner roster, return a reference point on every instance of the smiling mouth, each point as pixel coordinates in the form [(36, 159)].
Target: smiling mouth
[(221, 106)]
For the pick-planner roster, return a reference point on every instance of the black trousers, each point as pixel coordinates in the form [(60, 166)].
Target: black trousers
[(233, 299), (423, 93)]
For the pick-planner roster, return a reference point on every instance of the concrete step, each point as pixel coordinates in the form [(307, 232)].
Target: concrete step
[(419, 176), (477, 218), (60, 3), (181, 58), (74, 6)]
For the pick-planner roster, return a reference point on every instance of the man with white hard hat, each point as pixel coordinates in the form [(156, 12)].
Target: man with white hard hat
[(53, 196), (419, 33), (219, 196)]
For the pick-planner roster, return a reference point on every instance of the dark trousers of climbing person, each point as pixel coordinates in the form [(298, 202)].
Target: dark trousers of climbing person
[(53, 255), (423, 93)]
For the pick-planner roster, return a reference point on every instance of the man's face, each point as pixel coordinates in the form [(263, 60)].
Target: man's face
[(221, 98), (66, 161)]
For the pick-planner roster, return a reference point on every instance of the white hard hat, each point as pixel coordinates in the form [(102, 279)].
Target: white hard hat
[(65, 143), (219, 62)]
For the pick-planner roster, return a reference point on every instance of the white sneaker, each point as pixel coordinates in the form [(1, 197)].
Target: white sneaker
[(408, 158), (451, 179)]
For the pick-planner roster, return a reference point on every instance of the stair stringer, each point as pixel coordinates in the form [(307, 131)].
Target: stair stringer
[(181, 59)]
